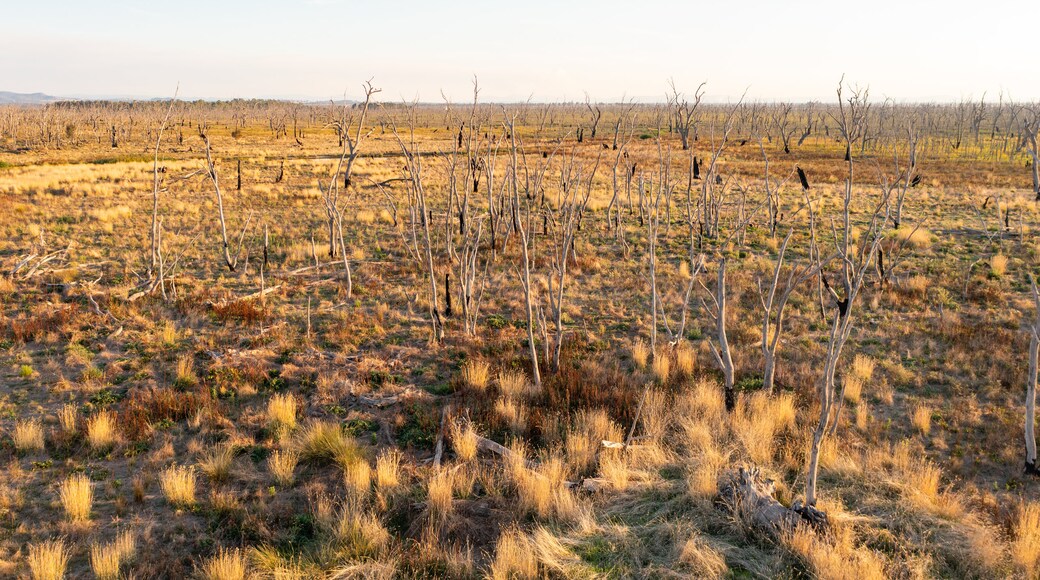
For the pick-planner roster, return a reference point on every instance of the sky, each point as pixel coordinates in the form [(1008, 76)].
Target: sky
[(795, 50)]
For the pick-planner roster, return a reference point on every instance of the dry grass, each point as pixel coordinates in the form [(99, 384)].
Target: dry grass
[(685, 359), (224, 565), (514, 557), (68, 418), (662, 366), (77, 497), (388, 470), (101, 431), (513, 413), (439, 495), (282, 466), (640, 354), (922, 419), (106, 559), (835, 561), (476, 374), (998, 265), (1025, 545), (281, 412), (357, 477), (185, 373), (853, 388), (28, 436), (321, 439), (702, 560), (48, 560), (178, 485), (464, 440), (514, 384), (216, 464)]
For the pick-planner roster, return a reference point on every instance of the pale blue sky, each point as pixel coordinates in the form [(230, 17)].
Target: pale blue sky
[(316, 49)]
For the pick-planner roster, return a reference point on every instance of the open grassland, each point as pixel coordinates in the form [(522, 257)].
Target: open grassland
[(264, 422)]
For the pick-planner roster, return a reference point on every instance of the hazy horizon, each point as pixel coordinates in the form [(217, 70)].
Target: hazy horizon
[(324, 49)]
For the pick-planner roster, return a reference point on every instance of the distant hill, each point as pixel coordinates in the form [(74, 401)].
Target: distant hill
[(8, 98)]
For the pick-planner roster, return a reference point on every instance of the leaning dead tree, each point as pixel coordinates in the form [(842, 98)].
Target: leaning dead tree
[(683, 112), (1034, 354), (414, 172), (595, 114), (158, 176), (908, 177), (562, 228), (774, 299), (855, 260), (211, 172), (721, 352), (522, 225), (331, 193), (1030, 131)]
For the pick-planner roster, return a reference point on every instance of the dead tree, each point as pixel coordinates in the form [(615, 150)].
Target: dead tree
[(414, 170), (774, 300), (331, 193), (855, 260), (158, 176), (595, 114), (522, 225), (908, 178), (563, 227), (782, 122), (1034, 354), (683, 112), (721, 351), (1030, 129), (713, 187), (211, 171)]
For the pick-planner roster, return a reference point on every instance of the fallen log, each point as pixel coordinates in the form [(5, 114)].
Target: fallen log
[(749, 495)]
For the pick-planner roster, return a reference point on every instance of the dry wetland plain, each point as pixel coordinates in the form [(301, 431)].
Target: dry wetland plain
[(262, 339)]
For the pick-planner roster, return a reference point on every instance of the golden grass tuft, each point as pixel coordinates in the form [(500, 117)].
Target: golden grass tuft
[(685, 359), (216, 464), (185, 372), (68, 418), (388, 470), (439, 495), (464, 440), (178, 485), (918, 238), (48, 560), (998, 265), (106, 559), (281, 412), (863, 367), (321, 439), (224, 565), (640, 354), (168, 334), (514, 557), (514, 384), (28, 435), (922, 419), (101, 431), (834, 561), (475, 374), (853, 388), (662, 367), (1025, 545), (77, 496), (513, 413), (358, 479), (702, 559), (282, 466)]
